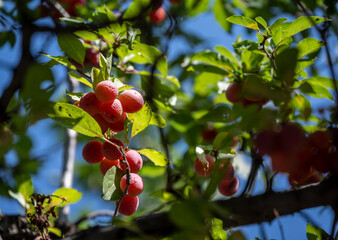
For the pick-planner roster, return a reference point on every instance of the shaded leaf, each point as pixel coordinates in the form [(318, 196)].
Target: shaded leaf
[(72, 46), (111, 184), (220, 113), (157, 119), (315, 233)]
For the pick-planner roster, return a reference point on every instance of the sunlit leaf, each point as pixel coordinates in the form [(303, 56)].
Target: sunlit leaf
[(243, 21), (80, 79), (64, 196), (141, 119), (308, 46), (158, 158), (74, 118)]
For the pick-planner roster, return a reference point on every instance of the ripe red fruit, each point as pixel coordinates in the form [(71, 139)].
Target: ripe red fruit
[(204, 169), (282, 162), (131, 100), (119, 125), (136, 184), (106, 164), (106, 91), (128, 205), (110, 151), (92, 58), (229, 187), (157, 16), (233, 92), (320, 140), (292, 137), (90, 103), (101, 121), (92, 152), (266, 141), (134, 160), (112, 112), (230, 172), (313, 178), (209, 134)]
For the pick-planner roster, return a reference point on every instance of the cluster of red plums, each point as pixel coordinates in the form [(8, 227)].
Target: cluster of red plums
[(110, 111), (229, 184), (303, 156), (236, 93)]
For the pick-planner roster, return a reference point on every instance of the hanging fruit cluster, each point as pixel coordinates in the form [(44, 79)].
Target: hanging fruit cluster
[(110, 111)]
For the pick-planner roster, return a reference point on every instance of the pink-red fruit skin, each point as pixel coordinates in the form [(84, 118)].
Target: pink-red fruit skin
[(106, 91), (233, 92), (134, 160), (90, 103), (136, 184), (229, 187), (157, 16), (112, 112), (204, 169), (110, 151), (106, 164), (92, 152), (128, 205), (131, 100)]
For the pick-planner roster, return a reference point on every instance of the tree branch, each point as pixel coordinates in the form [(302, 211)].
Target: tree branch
[(242, 211)]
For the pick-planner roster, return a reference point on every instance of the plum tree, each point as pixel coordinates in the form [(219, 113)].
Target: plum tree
[(90, 103)]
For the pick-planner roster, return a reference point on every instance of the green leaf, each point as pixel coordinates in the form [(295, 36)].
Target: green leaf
[(301, 24), (206, 83), (195, 7), (212, 58), (226, 53), (308, 46), (222, 140), (221, 12), (61, 60), (141, 119), (317, 87), (26, 189), (65, 196), (55, 231), (7, 36), (72, 46), (243, 21), (136, 8), (247, 45), (315, 233), (19, 197), (75, 96), (104, 67), (80, 79), (217, 231), (96, 76), (86, 35), (158, 158), (261, 21), (220, 113), (286, 64), (303, 105), (74, 118), (111, 190), (157, 119), (149, 54)]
